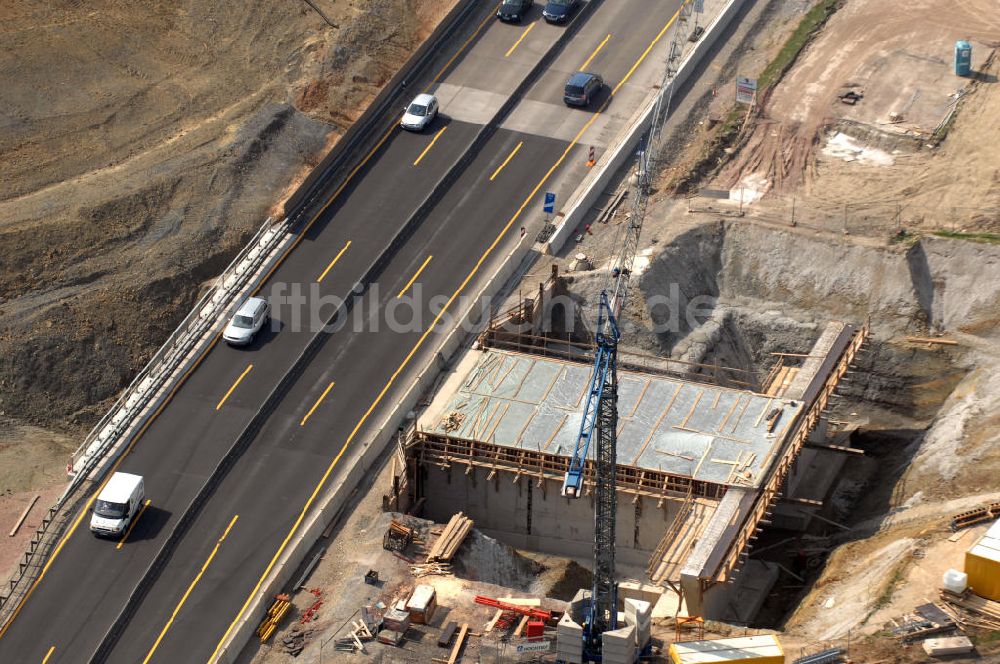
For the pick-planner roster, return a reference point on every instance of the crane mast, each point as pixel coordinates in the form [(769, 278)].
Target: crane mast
[(600, 416)]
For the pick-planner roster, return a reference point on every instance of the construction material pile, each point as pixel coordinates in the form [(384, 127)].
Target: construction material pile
[(451, 538), (282, 603), (969, 609), (397, 537), (362, 630)]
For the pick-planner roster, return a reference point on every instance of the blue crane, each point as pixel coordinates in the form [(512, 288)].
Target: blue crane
[(600, 415), (600, 418)]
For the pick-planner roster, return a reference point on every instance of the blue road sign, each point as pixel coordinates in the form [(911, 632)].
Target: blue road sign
[(550, 202)]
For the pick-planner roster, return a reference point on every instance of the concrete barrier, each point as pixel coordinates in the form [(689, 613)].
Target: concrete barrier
[(619, 153)]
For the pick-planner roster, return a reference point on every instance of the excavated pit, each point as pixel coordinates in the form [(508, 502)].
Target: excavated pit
[(736, 294)]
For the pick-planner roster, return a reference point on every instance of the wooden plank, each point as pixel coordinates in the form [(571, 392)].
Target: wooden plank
[(555, 433), (652, 432), (693, 406), (458, 643), (520, 627), (24, 515), (493, 621), (932, 340)]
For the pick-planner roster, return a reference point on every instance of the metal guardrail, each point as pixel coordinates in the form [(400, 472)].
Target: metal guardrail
[(135, 402), (136, 398)]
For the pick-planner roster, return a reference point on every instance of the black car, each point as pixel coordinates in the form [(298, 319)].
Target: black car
[(581, 88), (558, 11), (514, 10)]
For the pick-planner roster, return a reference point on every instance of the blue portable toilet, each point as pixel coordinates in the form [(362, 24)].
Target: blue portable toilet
[(963, 58)]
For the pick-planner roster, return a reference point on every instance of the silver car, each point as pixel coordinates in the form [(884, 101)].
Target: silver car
[(247, 322), (420, 113)]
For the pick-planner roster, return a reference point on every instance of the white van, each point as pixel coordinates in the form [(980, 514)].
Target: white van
[(118, 503)]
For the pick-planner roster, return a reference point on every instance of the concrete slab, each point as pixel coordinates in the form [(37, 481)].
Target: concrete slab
[(467, 104), (695, 430)]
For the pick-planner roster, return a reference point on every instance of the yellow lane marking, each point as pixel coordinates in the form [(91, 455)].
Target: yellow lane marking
[(649, 48), (333, 262), (506, 161), (132, 525), (111, 471), (413, 351), (410, 282), (519, 40), (48, 654), (350, 177), (489, 17), (430, 145), (316, 405), (242, 376), (177, 609), (594, 54)]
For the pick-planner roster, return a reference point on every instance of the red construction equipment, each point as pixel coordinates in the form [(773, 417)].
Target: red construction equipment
[(530, 611)]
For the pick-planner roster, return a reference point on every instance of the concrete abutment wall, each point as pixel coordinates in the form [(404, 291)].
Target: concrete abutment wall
[(560, 526)]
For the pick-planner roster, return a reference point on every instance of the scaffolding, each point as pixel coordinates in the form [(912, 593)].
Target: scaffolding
[(447, 452)]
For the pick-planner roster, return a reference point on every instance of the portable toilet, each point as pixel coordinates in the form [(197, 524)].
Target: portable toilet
[(982, 564), (761, 649), (963, 58)]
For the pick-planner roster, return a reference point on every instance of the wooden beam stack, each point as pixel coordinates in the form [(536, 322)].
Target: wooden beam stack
[(451, 539)]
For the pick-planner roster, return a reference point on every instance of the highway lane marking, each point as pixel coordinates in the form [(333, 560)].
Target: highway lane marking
[(48, 654), (76, 523), (132, 525), (410, 282), (646, 52), (597, 50), (316, 405), (413, 351), (226, 396), (506, 161), (430, 145), (519, 40), (333, 262), (180, 604), (475, 33), (90, 501)]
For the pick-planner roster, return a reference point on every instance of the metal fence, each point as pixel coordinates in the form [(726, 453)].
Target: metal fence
[(861, 218)]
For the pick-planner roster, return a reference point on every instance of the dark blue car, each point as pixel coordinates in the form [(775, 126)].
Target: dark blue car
[(558, 11), (513, 11), (581, 88)]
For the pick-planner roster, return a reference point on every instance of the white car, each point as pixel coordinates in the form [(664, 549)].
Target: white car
[(420, 113), (247, 322)]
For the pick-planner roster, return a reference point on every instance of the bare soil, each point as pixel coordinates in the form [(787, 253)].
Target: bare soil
[(886, 170), (483, 566), (934, 408), (140, 146)]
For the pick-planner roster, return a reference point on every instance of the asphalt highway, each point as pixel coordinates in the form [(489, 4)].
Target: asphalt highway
[(307, 443)]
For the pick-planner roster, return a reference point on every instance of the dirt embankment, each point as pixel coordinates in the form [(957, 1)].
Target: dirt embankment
[(877, 163), (143, 145), (140, 145)]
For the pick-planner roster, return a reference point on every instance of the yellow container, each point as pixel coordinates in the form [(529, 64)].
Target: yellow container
[(764, 649), (982, 564)]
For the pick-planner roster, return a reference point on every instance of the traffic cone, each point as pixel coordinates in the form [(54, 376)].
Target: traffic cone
[(592, 158)]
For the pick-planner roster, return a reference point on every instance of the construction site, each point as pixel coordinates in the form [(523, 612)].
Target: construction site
[(740, 405), (739, 457)]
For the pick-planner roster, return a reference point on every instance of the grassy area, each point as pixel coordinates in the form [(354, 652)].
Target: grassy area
[(810, 24), (986, 238)]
